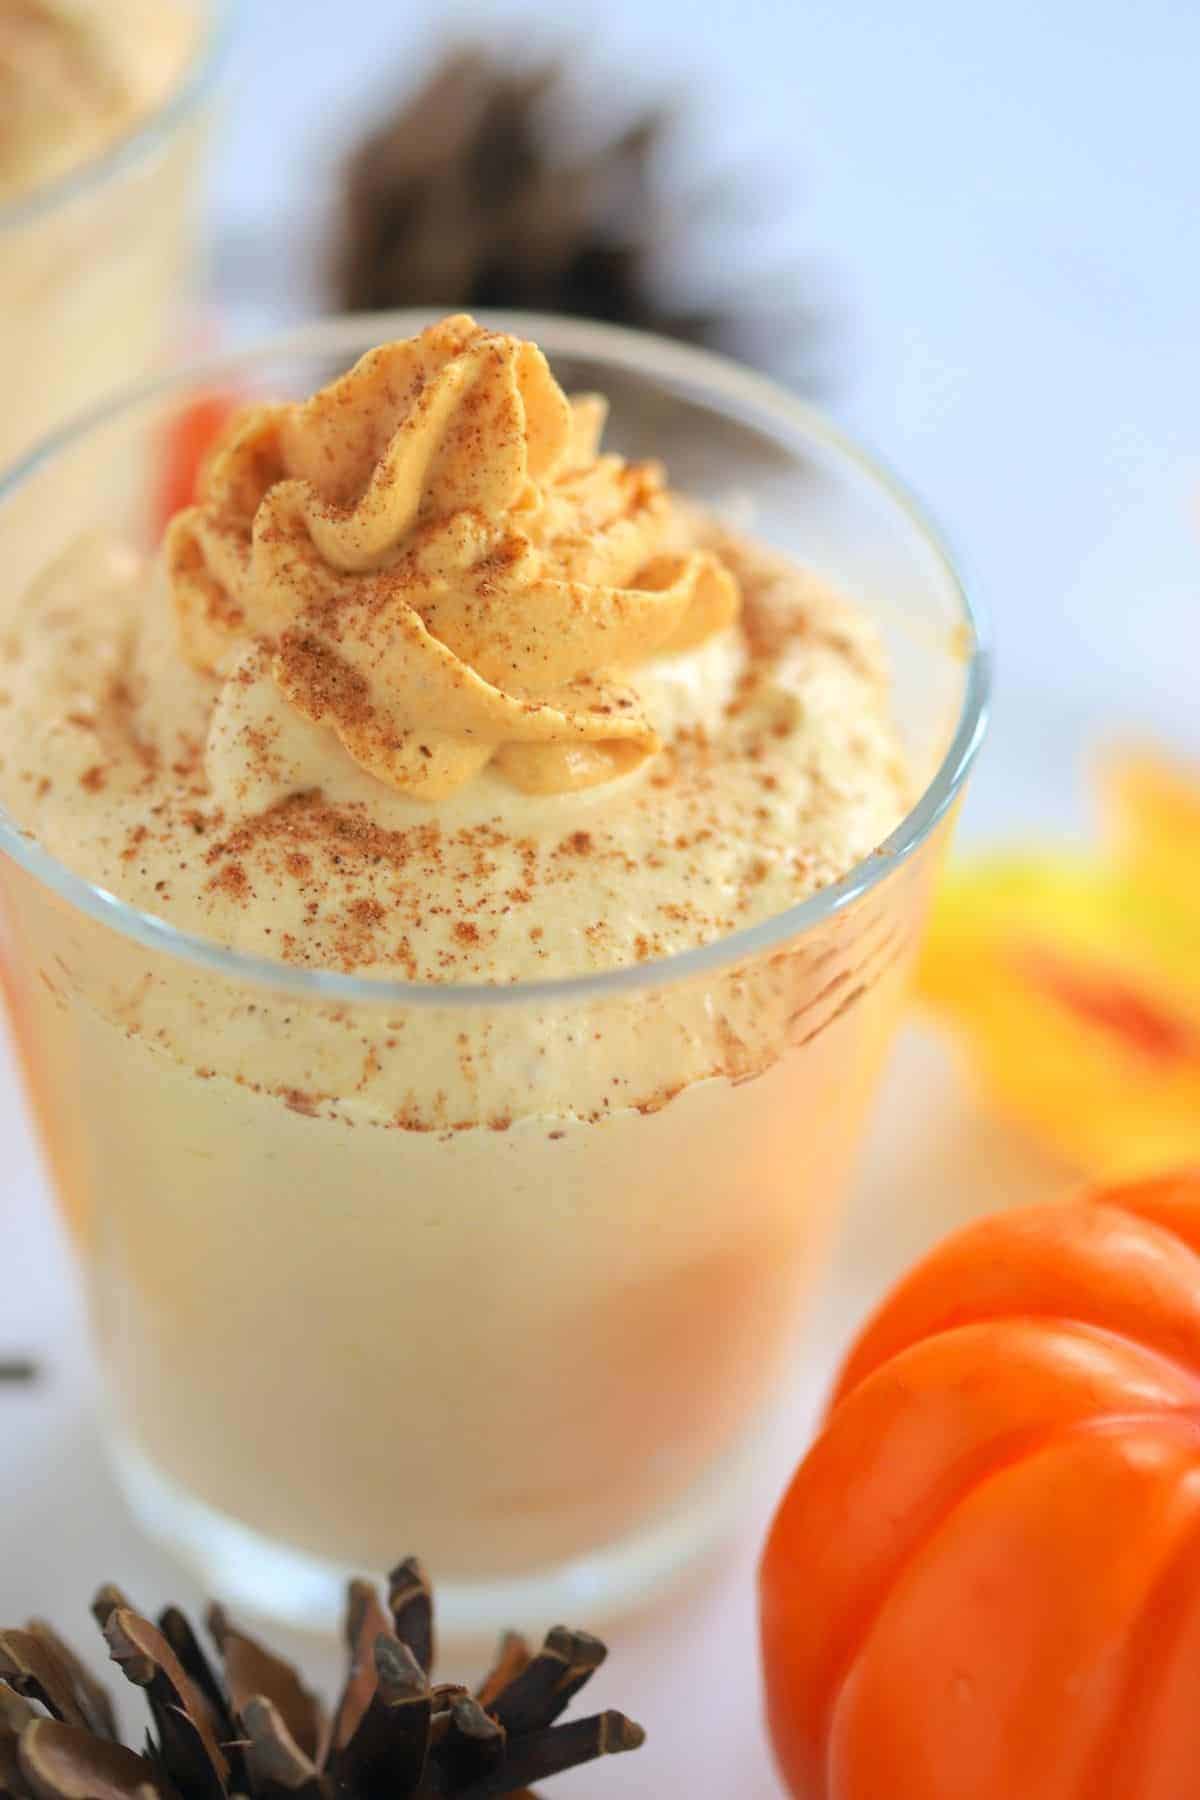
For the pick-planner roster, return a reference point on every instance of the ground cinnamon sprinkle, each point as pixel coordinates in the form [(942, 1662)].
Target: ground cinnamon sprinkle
[(231, 880), (657, 1101), (321, 682), (367, 912)]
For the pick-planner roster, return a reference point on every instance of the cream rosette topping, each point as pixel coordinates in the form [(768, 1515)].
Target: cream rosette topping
[(432, 560)]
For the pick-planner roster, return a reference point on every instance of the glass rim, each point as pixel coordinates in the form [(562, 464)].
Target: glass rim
[(144, 139), (657, 357)]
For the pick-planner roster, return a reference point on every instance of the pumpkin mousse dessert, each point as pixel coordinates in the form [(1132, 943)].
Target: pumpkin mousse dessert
[(437, 1178)]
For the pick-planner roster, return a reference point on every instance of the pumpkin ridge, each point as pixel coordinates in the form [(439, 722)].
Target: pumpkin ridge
[(1143, 1669), (1153, 1645), (1023, 1444), (1031, 1443), (874, 1347), (1185, 1419), (992, 1461), (1165, 1202), (1040, 1442), (1107, 1393), (1180, 1364)]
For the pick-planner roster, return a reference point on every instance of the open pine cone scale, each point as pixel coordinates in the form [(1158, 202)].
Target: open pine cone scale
[(255, 1730)]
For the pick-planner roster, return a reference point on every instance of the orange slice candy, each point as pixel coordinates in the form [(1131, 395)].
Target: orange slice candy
[(189, 439)]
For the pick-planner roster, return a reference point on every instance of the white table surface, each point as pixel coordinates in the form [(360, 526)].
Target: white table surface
[(1004, 198)]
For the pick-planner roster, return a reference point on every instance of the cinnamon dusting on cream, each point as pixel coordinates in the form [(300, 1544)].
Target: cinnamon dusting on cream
[(150, 743)]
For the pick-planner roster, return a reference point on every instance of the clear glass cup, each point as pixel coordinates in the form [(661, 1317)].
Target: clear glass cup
[(533, 1345), (94, 266)]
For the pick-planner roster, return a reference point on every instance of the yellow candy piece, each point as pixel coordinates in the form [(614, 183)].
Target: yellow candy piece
[(1150, 813), (1074, 980)]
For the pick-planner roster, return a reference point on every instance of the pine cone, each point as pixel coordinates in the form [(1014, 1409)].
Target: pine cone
[(468, 197), (255, 1730)]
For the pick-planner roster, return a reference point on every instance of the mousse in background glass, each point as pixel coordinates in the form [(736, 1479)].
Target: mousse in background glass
[(96, 264)]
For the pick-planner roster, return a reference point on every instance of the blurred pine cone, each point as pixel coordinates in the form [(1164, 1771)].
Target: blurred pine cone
[(471, 195)]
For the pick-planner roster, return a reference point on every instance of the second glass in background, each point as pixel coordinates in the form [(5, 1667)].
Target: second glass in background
[(96, 265)]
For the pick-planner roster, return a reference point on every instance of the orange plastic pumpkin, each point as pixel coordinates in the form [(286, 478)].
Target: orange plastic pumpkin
[(984, 1583)]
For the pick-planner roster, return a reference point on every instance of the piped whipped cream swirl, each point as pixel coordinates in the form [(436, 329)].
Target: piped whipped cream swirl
[(432, 560)]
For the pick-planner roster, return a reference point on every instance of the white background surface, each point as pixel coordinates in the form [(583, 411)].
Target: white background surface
[(1004, 202)]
